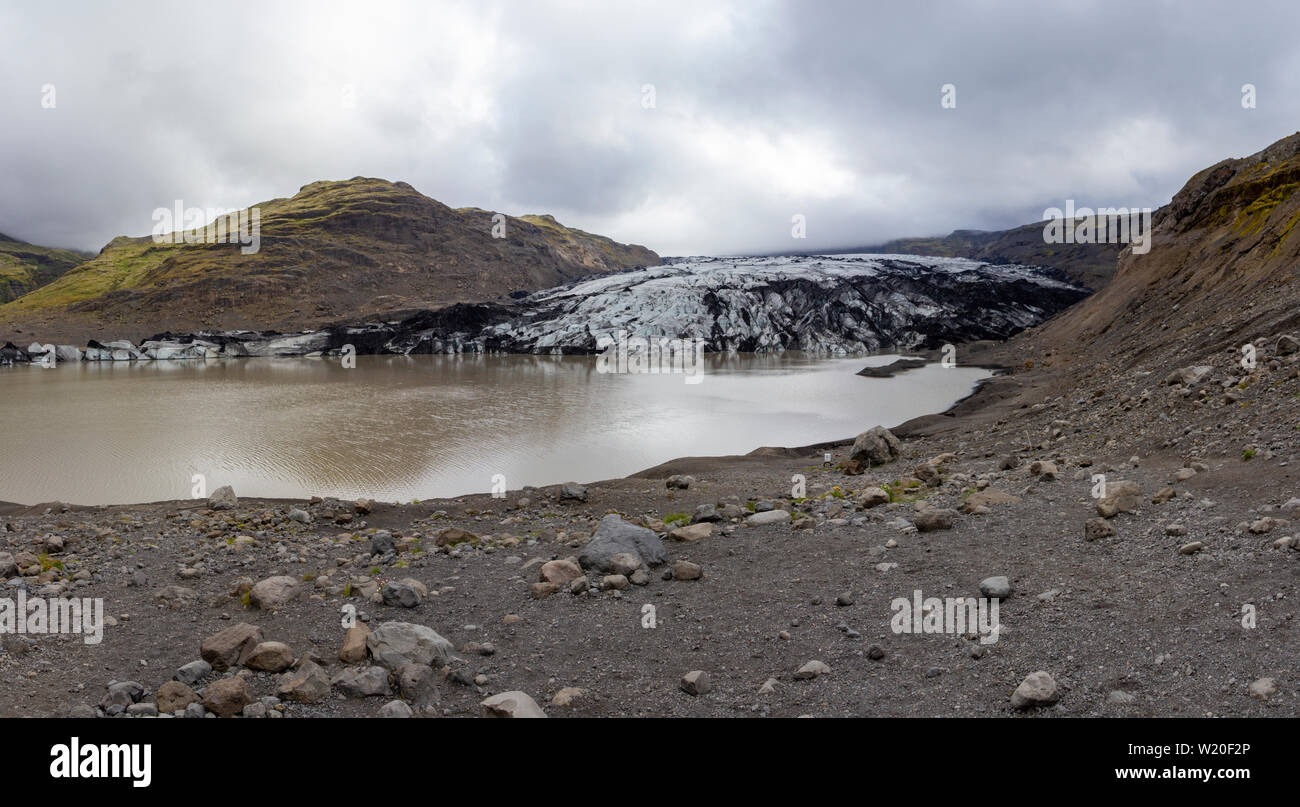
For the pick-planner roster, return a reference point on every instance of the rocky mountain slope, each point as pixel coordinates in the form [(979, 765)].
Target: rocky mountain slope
[(336, 250), (1089, 265), (25, 267), (1220, 273)]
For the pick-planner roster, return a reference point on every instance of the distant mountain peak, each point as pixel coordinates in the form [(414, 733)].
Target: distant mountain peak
[(337, 249)]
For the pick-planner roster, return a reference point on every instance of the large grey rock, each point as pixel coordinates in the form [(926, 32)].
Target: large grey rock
[(614, 536), (393, 644), (876, 446)]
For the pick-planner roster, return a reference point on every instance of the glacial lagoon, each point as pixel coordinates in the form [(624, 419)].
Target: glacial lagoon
[(399, 428)]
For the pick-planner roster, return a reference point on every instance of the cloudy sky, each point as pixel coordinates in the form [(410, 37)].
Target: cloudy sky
[(760, 110)]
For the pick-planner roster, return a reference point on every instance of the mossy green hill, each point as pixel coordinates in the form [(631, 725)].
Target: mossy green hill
[(25, 267), (342, 250), (1221, 271)]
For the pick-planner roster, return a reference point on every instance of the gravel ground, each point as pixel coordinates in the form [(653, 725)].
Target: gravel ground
[(1124, 624)]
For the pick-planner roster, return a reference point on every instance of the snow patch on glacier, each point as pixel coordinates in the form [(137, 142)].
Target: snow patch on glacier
[(839, 304)]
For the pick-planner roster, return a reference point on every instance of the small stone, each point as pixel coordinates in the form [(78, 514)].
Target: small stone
[(1121, 497), (274, 592), (872, 497), (270, 657), (1163, 495), (624, 563), (562, 572), (996, 588), (400, 595), (226, 697), (417, 683), (453, 536), (695, 682), (760, 519), (362, 683), (305, 684), (190, 674), (685, 570), (567, 696), (231, 646), (1044, 470), (692, 532), (811, 670), (354, 643), (1094, 529), (223, 498), (1038, 689), (613, 581), (541, 591), (1263, 688), (174, 695), (931, 519), (395, 709), (573, 492), (511, 704)]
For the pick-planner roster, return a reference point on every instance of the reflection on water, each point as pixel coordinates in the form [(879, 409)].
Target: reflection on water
[(402, 428)]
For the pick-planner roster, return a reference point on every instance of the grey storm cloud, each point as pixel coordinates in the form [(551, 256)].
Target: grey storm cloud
[(762, 110)]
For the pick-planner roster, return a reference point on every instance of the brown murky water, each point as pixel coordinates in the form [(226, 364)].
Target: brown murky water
[(399, 428)]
